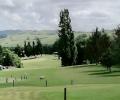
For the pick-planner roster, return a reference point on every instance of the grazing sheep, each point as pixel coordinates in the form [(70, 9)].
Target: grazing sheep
[(42, 77)]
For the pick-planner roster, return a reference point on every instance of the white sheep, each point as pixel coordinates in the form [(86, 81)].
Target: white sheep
[(42, 77)]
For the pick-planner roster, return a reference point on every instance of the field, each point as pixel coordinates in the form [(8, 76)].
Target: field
[(87, 82), (18, 37), (14, 37)]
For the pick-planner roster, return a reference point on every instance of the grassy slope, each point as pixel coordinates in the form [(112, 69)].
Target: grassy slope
[(19, 38), (47, 37), (90, 83)]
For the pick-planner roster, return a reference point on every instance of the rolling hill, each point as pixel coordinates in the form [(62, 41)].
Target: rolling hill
[(10, 38)]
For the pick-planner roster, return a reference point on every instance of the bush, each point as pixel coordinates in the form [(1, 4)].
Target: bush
[(107, 60), (10, 59)]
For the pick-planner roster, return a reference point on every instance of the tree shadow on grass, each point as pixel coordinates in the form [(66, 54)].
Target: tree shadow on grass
[(105, 73), (83, 65), (111, 75), (95, 71)]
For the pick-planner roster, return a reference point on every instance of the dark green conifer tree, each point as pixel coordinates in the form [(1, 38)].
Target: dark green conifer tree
[(29, 49), (67, 46), (25, 48), (33, 49), (38, 47)]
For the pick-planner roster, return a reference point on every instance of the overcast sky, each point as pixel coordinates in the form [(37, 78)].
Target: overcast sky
[(44, 14)]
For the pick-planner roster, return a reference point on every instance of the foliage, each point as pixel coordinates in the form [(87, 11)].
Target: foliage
[(10, 59), (32, 49), (48, 49), (81, 41), (28, 50), (107, 60), (116, 46), (38, 47), (97, 44), (19, 50), (25, 48), (56, 46), (68, 50)]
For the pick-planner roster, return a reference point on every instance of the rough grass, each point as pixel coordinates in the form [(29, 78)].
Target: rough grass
[(80, 92), (89, 82)]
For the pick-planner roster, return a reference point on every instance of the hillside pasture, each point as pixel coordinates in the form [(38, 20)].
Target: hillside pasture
[(86, 82)]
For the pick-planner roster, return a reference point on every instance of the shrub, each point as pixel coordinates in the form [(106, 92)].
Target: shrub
[(10, 59), (107, 60)]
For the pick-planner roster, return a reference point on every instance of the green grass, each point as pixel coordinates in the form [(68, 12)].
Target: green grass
[(46, 36), (89, 82), (80, 92), (42, 62)]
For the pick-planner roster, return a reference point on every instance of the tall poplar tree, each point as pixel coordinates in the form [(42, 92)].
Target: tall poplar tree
[(38, 47), (29, 50), (25, 48), (67, 46), (33, 48)]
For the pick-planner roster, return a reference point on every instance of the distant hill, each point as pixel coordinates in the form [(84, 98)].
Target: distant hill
[(13, 37), (10, 38)]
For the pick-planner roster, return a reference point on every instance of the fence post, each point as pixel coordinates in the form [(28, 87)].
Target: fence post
[(13, 83), (6, 80), (46, 83), (21, 77), (26, 77), (71, 82), (65, 93)]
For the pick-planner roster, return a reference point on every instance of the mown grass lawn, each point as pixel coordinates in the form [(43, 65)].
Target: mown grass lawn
[(89, 82)]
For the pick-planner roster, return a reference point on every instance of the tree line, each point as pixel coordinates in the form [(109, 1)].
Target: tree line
[(97, 48), (11, 56), (29, 49), (33, 48)]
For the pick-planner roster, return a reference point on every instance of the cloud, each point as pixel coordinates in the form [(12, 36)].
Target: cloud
[(44, 14)]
